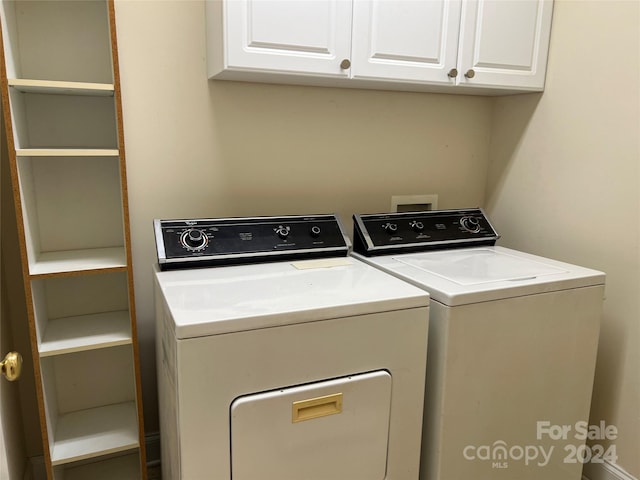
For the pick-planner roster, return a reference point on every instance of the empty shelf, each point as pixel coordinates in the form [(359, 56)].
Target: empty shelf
[(95, 432), (51, 263), (121, 468), (86, 332), (67, 152), (61, 88)]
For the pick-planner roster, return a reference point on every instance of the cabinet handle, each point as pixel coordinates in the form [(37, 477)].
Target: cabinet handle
[(453, 73), (470, 73), (345, 64)]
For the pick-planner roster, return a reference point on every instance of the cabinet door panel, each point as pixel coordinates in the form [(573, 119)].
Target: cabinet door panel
[(405, 40), (505, 43), (303, 36)]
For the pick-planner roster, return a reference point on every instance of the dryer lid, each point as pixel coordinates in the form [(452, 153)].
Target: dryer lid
[(211, 301)]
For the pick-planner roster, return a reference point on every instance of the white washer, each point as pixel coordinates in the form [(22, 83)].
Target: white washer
[(512, 345), (287, 369)]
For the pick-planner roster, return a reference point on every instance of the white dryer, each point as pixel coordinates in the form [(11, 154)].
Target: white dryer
[(283, 358), (512, 345)]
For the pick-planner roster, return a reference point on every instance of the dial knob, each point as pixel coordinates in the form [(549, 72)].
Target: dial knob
[(315, 231), (417, 225), (470, 224), (194, 239), (283, 231), (390, 228)]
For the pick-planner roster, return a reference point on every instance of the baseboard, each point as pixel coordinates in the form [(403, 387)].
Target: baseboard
[(605, 471)]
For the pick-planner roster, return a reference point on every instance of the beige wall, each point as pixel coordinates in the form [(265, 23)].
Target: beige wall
[(564, 182), (202, 148)]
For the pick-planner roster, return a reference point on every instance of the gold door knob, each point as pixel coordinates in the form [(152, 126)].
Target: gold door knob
[(470, 73), (453, 73), (11, 366), (345, 64)]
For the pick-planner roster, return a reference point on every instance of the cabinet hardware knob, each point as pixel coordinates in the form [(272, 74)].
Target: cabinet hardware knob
[(345, 64), (470, 73), (11, 366), (453, 73)]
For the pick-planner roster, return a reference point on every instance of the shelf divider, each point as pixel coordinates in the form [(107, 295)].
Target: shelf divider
[(86, 332), (55, 87), (67, 152), (73, 261)]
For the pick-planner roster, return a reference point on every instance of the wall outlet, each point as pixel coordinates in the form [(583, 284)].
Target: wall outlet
[(414, 203)]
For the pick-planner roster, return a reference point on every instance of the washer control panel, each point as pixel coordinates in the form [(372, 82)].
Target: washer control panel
[(225, 241), (379, 234)]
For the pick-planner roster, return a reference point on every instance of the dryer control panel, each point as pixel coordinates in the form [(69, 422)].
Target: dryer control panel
[(226, 241), (380, 234)]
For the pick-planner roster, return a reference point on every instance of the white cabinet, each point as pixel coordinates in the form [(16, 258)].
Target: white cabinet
[(410, 41), (63, 123), (466, 46), (504, 43), (308, 37)]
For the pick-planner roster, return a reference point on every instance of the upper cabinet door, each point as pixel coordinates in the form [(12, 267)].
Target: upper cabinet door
[(301, 36), (504, 43), (405, 40)]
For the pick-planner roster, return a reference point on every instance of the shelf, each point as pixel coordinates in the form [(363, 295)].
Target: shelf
[(59, 40), (86, 332), (121, 468), (67, 152), (74, 120), (51, 263), (111, 429), (54, 87)]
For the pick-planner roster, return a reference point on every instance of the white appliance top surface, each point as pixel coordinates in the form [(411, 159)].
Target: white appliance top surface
[(209, 301), (470, 275)]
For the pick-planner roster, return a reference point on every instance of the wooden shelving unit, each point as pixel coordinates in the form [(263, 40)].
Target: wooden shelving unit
[(63, 118)]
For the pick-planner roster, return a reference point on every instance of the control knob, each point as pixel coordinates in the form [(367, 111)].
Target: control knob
[(417, 225), (470, 224), (315, 231), (194, 239), (283, 231), (390, 228)]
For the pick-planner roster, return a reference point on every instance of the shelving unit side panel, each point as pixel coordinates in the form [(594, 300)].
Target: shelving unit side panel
[(29, 208), (11, 156), (39, 300), (10, 29), (18, 114), (78, 203), (127, 230), (50, 395), (64, 40)]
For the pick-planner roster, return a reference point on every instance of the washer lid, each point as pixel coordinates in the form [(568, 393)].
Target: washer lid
[(470, 275), (212, 301), (479, 266)]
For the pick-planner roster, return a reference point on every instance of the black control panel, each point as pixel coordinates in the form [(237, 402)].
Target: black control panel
[(380, 234), (226, 241)]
